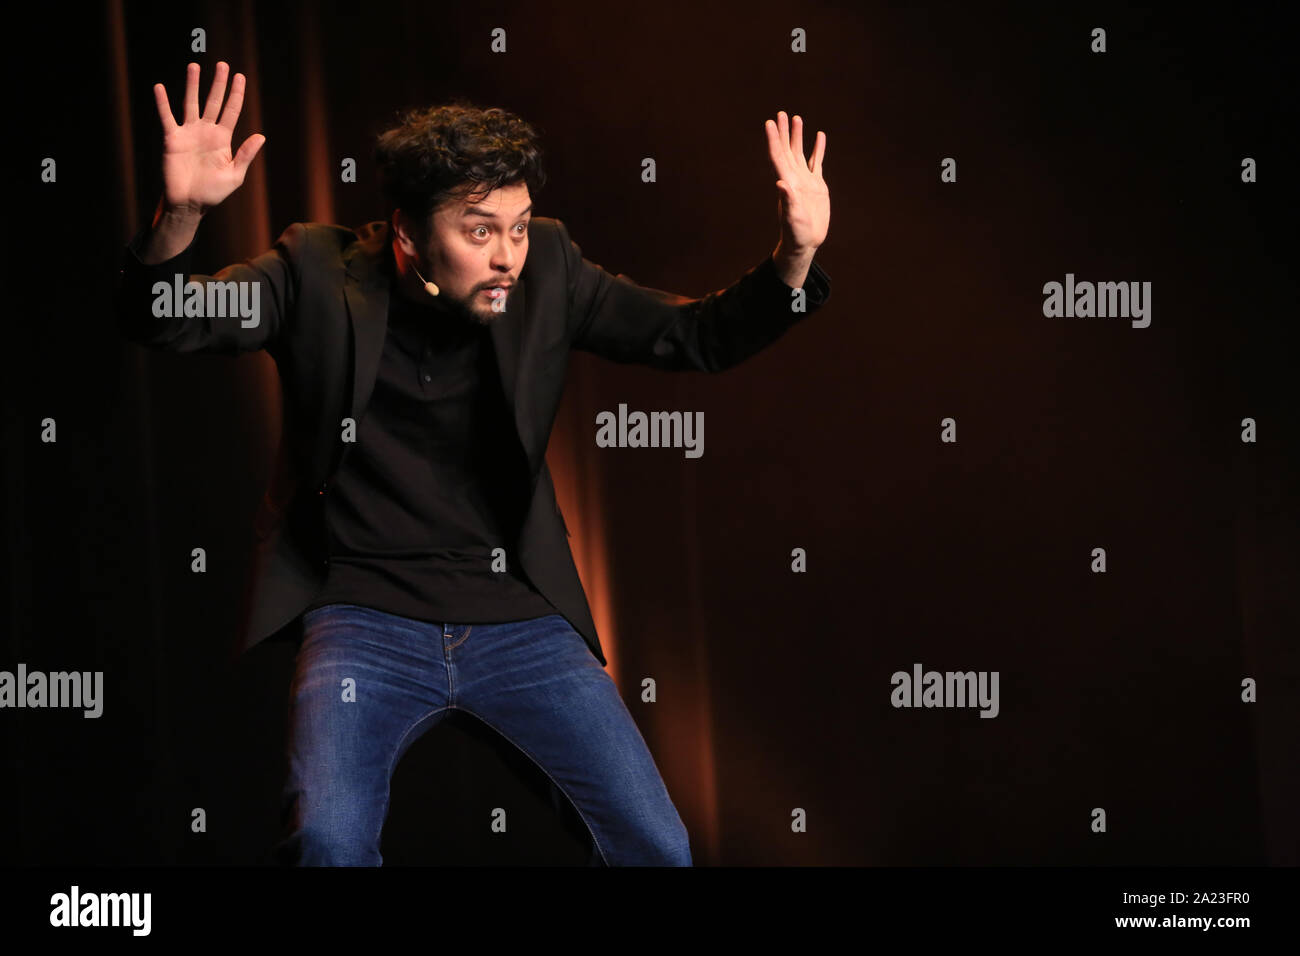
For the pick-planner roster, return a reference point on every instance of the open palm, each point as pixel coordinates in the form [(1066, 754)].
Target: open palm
[(804, 206), (198, 168)]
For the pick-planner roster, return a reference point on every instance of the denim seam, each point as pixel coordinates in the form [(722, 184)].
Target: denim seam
[(451, 675), (581, 816), (468, 628)]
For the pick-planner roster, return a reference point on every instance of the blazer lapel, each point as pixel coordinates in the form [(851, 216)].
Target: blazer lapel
[(367, 287)]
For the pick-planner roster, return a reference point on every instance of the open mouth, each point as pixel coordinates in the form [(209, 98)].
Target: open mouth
[(497, 292)]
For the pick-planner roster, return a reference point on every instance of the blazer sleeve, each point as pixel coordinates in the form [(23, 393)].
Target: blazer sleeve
[(611, 316), (277, 272)]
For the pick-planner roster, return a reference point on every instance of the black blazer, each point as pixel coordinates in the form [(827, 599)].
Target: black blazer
[(323, 317)]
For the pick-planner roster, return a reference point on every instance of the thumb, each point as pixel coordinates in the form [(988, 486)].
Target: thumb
[(783, 193), (247, 151)]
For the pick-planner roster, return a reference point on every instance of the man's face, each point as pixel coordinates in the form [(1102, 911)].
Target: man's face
[(478, 244)]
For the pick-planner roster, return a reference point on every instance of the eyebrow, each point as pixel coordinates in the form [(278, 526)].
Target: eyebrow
[(472, 211)]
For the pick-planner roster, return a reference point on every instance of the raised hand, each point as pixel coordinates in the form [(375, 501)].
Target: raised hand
[(804, 206), (198, 169)]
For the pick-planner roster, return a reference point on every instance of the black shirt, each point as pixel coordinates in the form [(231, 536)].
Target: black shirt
[(436, 481)]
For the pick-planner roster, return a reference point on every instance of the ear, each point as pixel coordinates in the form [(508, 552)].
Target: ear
[(405, 238)]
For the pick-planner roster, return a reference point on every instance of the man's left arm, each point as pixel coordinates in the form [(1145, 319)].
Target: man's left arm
[(614, 317), (625, 322)]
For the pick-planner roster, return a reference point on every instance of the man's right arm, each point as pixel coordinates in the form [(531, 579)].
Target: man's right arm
[(244, 307)]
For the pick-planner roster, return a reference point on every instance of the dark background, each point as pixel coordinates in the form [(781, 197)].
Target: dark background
[(1118, 690)]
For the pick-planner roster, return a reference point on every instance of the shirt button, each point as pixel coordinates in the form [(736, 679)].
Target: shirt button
[(428, 378)]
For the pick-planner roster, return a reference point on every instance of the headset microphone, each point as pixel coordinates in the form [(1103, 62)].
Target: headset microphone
[(429, 287)]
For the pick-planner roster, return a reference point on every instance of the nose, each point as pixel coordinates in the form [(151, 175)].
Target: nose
[(504, 255)]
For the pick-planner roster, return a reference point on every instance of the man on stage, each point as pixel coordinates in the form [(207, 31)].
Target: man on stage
[(410, 540)]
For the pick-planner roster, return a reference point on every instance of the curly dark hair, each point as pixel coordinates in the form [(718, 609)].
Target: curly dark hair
[(454, 151)]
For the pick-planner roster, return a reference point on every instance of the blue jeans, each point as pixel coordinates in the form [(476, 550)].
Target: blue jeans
[(535, 682)]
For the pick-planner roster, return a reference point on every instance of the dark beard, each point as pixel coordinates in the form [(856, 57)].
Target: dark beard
[(460, 312)]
